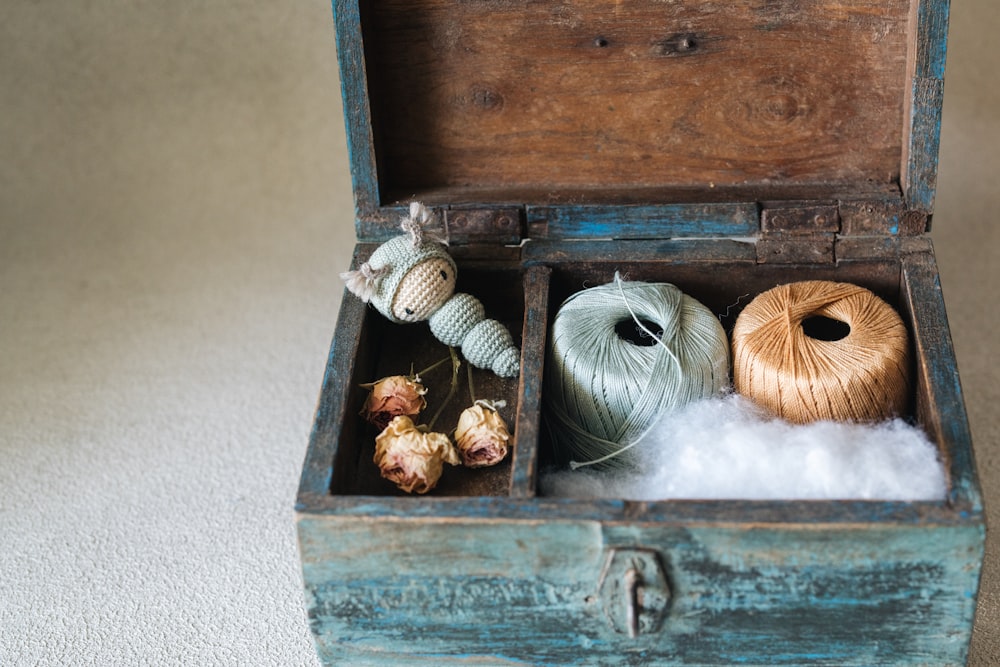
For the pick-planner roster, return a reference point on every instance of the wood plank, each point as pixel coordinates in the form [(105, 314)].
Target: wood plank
[(357, 107), (925, 74), (643, 222), (514, 93), (940, 408), (533, 340), (635, 252), (663, 125), (669, 512), (330, 427), (930, 38), (542, 194), (499, 592), (924, 141)]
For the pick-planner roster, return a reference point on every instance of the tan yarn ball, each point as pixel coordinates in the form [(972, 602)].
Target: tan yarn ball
[(862, 376)]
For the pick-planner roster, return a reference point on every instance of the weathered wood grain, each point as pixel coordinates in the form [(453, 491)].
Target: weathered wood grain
[(533, 338), (650, 103), (646, 221), (558, 95), (329, 453), (940, 407), (515, 592), (925, 76), (357, 110)]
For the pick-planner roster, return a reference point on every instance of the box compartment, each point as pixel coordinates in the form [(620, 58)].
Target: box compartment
[(386, 349)]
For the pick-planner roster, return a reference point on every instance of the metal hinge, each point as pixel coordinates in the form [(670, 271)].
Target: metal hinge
[(809, 232), (798, 233), (500, 225), (891, 217)]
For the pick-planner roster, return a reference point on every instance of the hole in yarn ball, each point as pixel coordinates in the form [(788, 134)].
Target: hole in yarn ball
[(825, 328), (630, 332)]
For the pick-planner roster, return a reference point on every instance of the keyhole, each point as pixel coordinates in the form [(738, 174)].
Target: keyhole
[(825, 328), (630, 332)]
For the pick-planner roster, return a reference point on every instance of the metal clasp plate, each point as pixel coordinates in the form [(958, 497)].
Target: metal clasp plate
[(634, 591)]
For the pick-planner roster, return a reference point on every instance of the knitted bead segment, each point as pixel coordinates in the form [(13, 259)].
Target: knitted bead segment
[(487, 342), (455, 319)]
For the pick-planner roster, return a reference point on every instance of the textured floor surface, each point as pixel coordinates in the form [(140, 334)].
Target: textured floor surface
[(174, 210)]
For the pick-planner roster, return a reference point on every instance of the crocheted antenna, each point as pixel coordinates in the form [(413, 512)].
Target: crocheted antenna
[(411, 278)]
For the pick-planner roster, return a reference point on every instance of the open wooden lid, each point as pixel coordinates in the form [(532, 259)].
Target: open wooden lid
[(595, 108)]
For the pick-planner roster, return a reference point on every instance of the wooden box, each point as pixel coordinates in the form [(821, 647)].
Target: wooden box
[(725, 147)]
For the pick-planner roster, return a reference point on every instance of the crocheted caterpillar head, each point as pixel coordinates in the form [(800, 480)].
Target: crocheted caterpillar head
[(408, 277)]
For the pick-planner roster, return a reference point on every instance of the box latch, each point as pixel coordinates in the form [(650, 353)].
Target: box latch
[(634, 591), (798, 233)]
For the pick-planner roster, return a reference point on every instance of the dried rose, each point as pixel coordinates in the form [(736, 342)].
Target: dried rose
[(393, 396), (481, 435), (411, 457)]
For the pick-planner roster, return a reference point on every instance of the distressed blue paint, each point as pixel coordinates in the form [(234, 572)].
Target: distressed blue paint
[(331, 408), (939, 371), (646, 221), (924, 143), (374, 222), (931, 38), (719, 512), (377, 224), (926, 90), (357, 110), (511, 592)]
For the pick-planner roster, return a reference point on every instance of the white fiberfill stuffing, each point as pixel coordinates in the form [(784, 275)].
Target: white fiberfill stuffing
[(727, 448)]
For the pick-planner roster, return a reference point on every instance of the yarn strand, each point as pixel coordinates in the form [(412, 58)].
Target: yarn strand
[(643, 327)]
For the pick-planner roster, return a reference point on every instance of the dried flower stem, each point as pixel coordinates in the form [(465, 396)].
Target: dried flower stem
[(431, 367), (472, 386), (455, 365), (492, 405)]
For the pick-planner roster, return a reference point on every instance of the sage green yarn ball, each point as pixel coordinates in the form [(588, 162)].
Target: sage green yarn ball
[(602, 392)]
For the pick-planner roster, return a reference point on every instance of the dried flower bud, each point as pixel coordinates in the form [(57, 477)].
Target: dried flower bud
[(411, 457), (481, 435), (393, 396)]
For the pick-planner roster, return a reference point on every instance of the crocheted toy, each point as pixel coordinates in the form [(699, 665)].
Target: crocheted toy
[(411, 278)]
